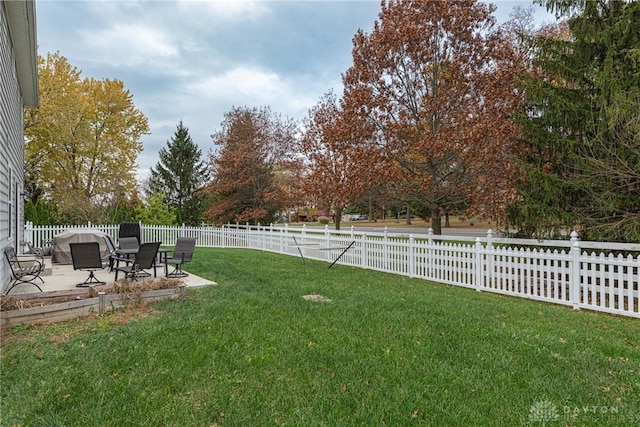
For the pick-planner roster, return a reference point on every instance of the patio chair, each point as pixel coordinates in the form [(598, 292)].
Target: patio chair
[(128, 243), (129, 229), (182, 253), (39, 253), (127, 248), (24, 269), (86, 256), (112, 251), (145, 258)]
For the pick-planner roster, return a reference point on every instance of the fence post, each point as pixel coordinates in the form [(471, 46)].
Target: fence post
[(363, 258), (386, 249), (490, 258), (430, 252), (102, 304), (28, 233), (412, 256), (327, 236), (479, 265), (574, 281)]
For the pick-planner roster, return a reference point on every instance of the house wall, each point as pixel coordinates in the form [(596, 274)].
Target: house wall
[(11, 149)]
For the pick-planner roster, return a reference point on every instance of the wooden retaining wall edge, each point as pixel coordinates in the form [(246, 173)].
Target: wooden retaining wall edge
[(80, 307)]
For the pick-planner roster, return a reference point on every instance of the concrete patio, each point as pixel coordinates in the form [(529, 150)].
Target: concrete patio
[(62, 277)]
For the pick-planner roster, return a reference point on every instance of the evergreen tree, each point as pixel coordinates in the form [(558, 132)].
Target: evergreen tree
[(180, 175), (582, 126)]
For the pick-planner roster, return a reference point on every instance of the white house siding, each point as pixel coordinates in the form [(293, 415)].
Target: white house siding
[(11, 137)]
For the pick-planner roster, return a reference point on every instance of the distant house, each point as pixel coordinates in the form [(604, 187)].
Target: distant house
[(19, 89)]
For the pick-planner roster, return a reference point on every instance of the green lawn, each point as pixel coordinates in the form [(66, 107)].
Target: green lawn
[(385, 351)]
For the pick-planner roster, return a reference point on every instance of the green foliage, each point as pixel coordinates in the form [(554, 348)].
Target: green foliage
[(40, 213), (180, 175), (386, 350), (582, 130), (155, 211)]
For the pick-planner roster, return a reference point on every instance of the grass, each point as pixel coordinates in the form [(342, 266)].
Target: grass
[(386, 350)]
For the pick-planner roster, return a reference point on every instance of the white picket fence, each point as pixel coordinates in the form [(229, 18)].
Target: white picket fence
[(591, 275)]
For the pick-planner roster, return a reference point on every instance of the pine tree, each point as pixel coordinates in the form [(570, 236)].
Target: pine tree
[(582, 128), (180, 175)]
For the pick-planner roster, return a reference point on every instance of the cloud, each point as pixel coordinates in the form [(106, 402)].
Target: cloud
[(240, 81), (129, 44), (224, 10)]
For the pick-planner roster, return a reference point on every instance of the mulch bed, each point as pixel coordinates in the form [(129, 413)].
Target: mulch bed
[(122, 286)]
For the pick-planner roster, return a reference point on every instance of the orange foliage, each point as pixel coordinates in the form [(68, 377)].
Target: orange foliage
[(433, 87)]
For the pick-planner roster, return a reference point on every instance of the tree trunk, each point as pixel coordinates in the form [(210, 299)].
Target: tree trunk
[(338, 219), (436, 221), (371, 213), (408, 221)]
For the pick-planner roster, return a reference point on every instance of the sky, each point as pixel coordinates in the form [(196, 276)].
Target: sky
[(194, 60)]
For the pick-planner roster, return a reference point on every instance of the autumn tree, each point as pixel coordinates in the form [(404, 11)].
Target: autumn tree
[(436, 80), (180, 175), (288, 177), (340, 167), (249, 149), (582, 124), (82, 143)]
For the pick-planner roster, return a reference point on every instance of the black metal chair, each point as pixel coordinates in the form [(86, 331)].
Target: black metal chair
[(23, 269), (182, 253), (128, 243), (112, 251), (145, 258), (130, 229), (39, 253), (86, 256)]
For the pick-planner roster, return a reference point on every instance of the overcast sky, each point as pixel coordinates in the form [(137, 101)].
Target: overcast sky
[(194, 60)]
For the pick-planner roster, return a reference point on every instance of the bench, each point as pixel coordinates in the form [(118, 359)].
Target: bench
[(24, 269)]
